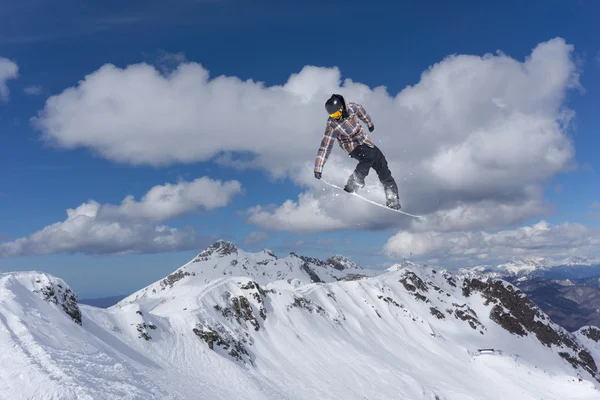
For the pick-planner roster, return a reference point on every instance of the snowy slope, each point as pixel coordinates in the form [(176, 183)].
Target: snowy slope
[(46, 354), (270, 331), (590, 337)]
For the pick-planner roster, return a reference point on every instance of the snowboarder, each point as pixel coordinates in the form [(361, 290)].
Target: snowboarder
[(344, 125)]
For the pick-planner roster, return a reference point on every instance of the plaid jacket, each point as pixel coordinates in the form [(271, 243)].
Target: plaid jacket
[(348, 132)]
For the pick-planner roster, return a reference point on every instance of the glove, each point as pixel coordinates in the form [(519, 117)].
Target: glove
[(371, 128), (318, 175)]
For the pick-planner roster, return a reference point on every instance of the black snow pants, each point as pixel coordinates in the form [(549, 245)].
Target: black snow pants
[(372, 157)]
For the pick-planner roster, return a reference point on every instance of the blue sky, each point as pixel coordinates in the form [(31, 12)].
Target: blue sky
[(377, 44)]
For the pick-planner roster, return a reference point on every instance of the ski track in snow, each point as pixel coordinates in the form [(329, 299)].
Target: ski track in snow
[(336, 340), (54, 359)]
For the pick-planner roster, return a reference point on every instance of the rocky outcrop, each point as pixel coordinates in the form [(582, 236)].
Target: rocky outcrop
[(436, 313), (352, 277), (342, 263), (173, 278), (591, 332), (415, 286), (220, 340), (259, 294), (516, 313), (239, 307), (466, 313), (220, 248), (311, 274), (306, 266), (231, 340), (336, 262), (62, 295), (427, 291), (142, 328), (307, 304)]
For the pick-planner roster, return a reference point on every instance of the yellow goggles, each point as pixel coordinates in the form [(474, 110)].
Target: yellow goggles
[(336, 114)]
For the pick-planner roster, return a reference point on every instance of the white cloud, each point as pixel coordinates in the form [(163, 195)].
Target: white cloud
[(168, 201), (595, 210), (541, 239), (475, 133), (494, 213), (304, 217), (255, 237), (95, 228), (33, 90), (325, 241), (8, 70)]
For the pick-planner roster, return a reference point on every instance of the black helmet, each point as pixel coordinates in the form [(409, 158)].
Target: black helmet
[(335, 103)]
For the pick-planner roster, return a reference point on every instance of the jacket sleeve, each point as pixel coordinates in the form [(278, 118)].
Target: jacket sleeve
[(363, 115), (324, 149)]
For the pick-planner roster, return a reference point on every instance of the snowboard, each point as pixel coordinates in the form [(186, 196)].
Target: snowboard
[(371, 201)]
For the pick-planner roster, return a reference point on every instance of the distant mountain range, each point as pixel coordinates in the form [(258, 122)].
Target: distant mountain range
[(569, 268), (570, 303), (568, 290), (103, 302)]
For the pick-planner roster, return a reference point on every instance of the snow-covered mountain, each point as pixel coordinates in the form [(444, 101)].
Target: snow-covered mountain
[(576, 261), (223, 259), (237, 325), (529, 266), (570, 303), (521, 266), (532, 267)]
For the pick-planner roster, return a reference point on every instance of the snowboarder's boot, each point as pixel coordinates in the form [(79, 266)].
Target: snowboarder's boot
[(355, 181), (391, 194)]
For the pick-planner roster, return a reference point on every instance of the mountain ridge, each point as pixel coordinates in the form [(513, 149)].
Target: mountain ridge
[(224, 258), (568, 291), (265, 326)]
